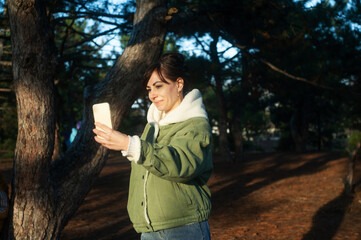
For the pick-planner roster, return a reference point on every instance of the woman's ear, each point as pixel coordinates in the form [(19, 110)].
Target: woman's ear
[(180, 84)]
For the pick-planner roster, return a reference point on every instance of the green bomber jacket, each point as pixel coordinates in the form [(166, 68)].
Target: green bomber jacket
[(168, 182)]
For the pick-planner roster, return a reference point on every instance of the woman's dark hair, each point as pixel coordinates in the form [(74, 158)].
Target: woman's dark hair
[(170, 66)]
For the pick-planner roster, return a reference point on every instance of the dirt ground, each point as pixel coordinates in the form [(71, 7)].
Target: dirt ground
[(267, 196)]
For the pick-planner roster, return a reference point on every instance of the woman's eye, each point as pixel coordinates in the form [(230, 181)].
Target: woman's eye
[(158, 86)]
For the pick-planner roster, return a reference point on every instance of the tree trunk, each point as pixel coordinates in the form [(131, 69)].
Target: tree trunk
[(33, 70), (238, 103), (351, 168), (222, 125), (57, 142), (319, 131), (299, 131), (45, 193), (299, 126), (222, 109), (238, 139)]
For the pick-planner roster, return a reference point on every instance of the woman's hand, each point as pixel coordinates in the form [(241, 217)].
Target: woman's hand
[(110, 138)]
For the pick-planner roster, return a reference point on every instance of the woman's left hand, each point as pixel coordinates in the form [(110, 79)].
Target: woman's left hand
[(110, 138)]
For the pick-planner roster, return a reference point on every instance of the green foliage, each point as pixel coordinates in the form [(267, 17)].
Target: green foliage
[(320, 45), (8, 115), (354, 139), (8, 129), (7, 148), (286, 142), (254, 119), (134, 122), (80, 62), (124, 39), (170, 44), (199, 72)]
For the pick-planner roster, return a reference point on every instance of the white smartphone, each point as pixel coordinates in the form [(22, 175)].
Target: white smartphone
[(101, 112)]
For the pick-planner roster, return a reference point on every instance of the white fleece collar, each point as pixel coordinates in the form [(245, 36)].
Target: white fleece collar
[(191, 106)]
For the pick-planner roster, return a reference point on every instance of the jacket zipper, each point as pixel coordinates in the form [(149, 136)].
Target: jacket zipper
[(145, 198)]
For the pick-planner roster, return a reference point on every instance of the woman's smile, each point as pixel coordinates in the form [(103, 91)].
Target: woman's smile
[(158, 103), (164, 95)]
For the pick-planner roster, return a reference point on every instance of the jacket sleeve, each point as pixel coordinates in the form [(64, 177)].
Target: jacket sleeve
[(185, 158)]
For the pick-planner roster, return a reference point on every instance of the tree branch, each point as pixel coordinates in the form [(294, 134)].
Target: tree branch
[(273, 67), (227, 37), (5, 90), (201, 44), (6, 63), (91, 37), (230, 59), (119, 25), (81, 14), (66, 35)]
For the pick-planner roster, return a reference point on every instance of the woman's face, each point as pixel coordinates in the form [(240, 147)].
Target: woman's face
[(165, 96)]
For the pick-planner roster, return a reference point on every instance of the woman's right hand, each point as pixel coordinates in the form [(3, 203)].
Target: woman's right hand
[(110, 138)]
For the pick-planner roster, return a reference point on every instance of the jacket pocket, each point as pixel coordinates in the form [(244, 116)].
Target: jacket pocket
[(182, 193)]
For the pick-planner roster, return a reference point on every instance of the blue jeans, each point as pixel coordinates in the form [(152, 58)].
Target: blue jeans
[(193, 231)]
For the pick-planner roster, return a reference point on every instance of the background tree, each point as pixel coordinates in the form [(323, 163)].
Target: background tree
[(77, 30), (8, 124), (78, 25), (45, 194), (296, 39)]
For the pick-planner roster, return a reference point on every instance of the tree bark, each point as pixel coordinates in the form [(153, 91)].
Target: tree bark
[(238, 139), (299, 131), (319, 131), (47, 193), (57, 142), (299, 125), (222, 117), (33, 71), (351, 168)]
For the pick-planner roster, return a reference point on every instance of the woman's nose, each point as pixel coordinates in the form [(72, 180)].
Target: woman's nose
[(152, 95)]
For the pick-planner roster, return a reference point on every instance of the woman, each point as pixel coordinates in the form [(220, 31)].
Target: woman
[(171, 162)]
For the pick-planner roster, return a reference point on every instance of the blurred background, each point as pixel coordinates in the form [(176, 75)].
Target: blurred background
[(275, 75)]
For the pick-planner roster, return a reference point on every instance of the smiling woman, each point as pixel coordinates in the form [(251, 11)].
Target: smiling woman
[(163, 91), (171, 161), (165, 95)]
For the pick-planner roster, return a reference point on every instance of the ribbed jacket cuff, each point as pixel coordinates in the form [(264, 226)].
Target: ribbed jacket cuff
[(133, 151)]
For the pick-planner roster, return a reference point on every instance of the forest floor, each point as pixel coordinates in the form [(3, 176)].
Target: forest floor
[(266, 196)]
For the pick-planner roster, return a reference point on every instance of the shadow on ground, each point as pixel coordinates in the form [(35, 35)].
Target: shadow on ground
[(274, 167), (103, 214), (328, 219), (266, 170)]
